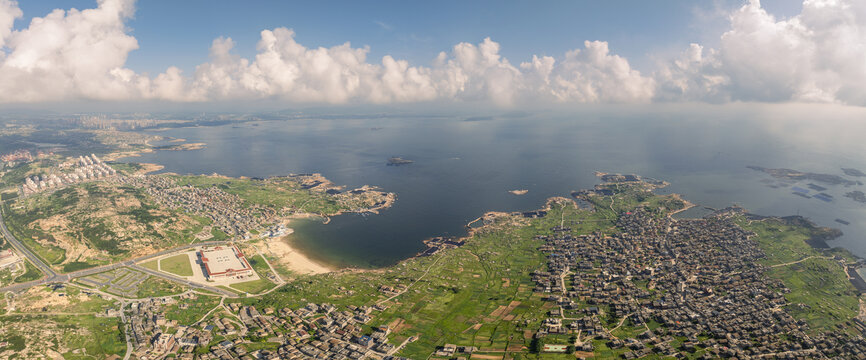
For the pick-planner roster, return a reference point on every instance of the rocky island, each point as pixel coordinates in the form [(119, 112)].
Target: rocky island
[(397, 161), (853, 172), (795, 175), (857, 196)]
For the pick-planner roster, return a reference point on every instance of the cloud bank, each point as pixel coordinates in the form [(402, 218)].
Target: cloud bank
[(816, 56)]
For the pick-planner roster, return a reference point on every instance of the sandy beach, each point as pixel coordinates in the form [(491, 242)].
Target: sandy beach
[(293, 259)]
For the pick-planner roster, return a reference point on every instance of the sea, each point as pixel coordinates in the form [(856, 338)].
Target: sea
[(465, 165)]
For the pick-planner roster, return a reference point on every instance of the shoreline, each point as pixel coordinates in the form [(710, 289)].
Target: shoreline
[(686, 204), (292, 258), (132, 153)]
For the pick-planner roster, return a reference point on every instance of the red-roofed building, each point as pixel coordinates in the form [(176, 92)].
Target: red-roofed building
[(222, 262)]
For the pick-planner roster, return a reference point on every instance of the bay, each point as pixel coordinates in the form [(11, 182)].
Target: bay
[(464, 168)]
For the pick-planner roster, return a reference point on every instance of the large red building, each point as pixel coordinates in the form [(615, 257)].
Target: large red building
[(220, 262)]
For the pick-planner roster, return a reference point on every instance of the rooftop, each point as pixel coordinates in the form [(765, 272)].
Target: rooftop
[(222, 260)]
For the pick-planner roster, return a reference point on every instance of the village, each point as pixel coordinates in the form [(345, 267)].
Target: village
[(318, 331), (225, 210), (683, 285)]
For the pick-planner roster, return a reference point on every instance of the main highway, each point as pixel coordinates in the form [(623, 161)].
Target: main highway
[(52, 277)]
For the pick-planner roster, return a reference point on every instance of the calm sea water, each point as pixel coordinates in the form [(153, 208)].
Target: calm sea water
[(465, 168)]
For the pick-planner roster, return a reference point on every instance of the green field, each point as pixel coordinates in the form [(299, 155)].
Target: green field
[(126, 168), (253, 287), (177, 264), (820, 292), (454, 302), (156, 287), (86, 336), (256, 286), (31, 273), (152, 264), (781, 242), (195, 309)]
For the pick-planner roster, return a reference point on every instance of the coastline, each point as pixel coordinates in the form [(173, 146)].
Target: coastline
[(686, 204), (115, 156), (292, 258), (280, 248), (149, 168)]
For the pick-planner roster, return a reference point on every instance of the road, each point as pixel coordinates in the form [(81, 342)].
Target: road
[(25, 251), (412, 284), (52, 277), (183, 281)]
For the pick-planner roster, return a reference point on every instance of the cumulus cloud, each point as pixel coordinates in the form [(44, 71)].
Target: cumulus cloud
[(592, 75), (81, 54), (816, 56), (286, 70), (694, 75), (74, 54), (9, 11), (68, 54)]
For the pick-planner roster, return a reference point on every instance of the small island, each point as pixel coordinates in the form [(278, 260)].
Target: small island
[(853, 172), (795, 175), (857, 196), (519, 192), (397, 161)]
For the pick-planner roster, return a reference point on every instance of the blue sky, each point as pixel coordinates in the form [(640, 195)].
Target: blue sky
[(179, 33), (490, 53)]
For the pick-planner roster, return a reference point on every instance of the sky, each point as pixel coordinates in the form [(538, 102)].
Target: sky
[(503, 54)]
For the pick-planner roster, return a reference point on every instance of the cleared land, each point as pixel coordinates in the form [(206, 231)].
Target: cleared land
[(67, 319), (96, 223), (177, 264)]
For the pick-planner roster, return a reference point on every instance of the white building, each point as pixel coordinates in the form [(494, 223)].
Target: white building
[(222, 262)]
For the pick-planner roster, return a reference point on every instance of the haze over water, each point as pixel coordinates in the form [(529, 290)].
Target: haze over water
[(465, 168)]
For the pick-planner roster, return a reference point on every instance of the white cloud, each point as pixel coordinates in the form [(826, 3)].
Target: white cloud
[(383, 25), (594, 75), (816, 56), (473, 72), (9, 11), (286, 70), (68, 54), (694, 75)]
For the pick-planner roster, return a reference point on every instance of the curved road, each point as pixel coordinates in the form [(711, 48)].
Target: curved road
[(52, 277)]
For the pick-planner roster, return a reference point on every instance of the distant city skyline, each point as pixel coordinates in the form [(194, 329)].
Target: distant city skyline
[(501, 54)]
